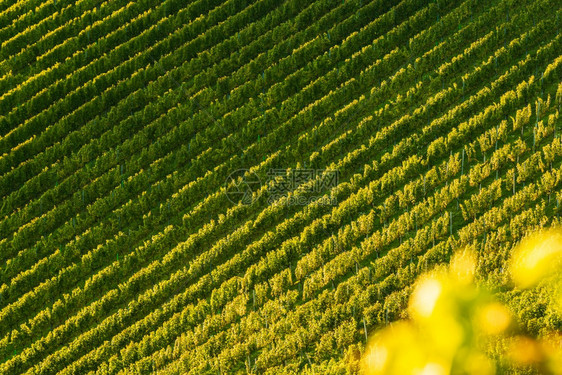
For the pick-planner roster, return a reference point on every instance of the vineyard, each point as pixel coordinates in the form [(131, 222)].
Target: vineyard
[(252, 186)]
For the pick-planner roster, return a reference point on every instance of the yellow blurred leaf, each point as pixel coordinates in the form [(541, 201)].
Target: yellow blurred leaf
[(396, 350), (424, 297), (478, 364), (525, 351), (433, 369), (536, 257), (494, 318)]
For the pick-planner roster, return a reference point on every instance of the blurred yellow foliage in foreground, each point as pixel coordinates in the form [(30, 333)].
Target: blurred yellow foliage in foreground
[(536, 258), (453, 321)]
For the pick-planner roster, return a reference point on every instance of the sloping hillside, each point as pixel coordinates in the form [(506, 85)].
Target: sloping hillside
[(242, 186)]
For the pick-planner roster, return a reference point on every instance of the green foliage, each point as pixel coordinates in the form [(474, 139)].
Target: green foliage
[(120, 121)]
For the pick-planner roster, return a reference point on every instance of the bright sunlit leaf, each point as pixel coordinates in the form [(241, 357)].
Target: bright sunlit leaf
[(433, 369), (425, 297), (536, 257)]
